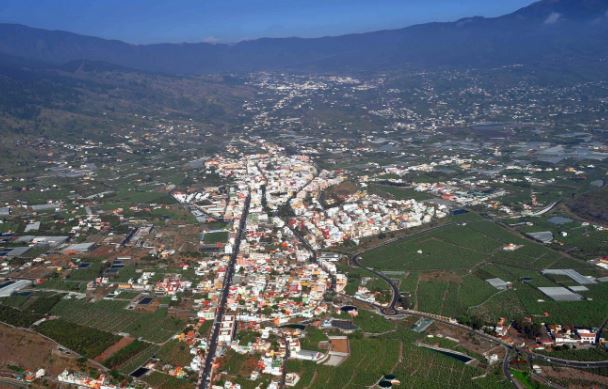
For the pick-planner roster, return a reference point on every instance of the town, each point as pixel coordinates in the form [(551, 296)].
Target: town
[(291, 247)]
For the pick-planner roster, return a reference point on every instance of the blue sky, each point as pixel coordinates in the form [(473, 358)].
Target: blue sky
[(152, 21)]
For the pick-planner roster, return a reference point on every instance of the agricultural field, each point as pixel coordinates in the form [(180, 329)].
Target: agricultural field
[(215, 226), (164, 381), (524, 378), (88, 273), (112, 316), (370, 322), (35, 303), (394, 353), (571, 234), (65, 284), (86, 341), (41, 351), (17, 318), (445, 271), (124, 354), (138, 359), (215, 237), (128, 197), (175, 353), (312, 339)]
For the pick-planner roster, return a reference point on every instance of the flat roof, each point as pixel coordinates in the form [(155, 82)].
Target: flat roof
[(498, 283), (543, 236), (17, 251), (11, 287), (573, 274), (422, 324), (79, 246), (578, 288), (559, 293)]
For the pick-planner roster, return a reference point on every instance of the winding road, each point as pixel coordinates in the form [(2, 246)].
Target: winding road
[(393, 310)]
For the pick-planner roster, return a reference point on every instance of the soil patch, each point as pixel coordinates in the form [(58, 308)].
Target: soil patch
[(340, 345), (122, 343), (29, 350)]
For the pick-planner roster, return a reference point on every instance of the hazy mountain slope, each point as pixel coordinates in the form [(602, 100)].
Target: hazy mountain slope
[(85, 97), (568, 32)]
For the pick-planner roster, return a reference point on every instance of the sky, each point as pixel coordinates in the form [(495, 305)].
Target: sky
[(155, 21)]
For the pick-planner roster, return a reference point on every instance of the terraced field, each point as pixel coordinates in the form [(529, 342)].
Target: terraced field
[(445, 272), (111, 316), (395, 353)]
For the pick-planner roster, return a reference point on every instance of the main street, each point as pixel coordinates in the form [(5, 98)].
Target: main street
[(207, 370)]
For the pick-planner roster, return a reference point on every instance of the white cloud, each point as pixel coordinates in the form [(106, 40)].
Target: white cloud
[(211, 39), (552, 18)]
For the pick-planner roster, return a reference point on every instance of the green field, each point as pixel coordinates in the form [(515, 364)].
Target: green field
[(86, 274), (370, 322), (112, 316), (395, 353), (36, 304), (215, 237), (164, 381), (312, 339), (175, 353), (124, 354), (138, 359), (86, 341), (17, 318), (448, 277), (524, 379), (128, 197), (582, 241)]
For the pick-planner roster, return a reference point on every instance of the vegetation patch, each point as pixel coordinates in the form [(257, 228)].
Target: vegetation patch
[(175, 353), (86, 341), (125, 353), (16, 317)]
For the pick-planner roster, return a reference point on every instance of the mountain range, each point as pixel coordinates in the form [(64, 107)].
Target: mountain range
[(562, 32)]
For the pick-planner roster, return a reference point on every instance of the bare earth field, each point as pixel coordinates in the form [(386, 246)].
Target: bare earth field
[(28, 350), (122, 343)]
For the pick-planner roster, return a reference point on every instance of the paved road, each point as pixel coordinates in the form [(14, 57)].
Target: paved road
[(391, 309), (206, 372), (566, 362), (506, 369), (282, 382)]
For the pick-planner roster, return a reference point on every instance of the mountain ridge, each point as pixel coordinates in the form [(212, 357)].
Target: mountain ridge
[(548, 30)]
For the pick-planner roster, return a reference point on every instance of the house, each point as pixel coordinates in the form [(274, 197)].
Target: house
[(307, 355), (586, 336), (502, 327), (562, 335)]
